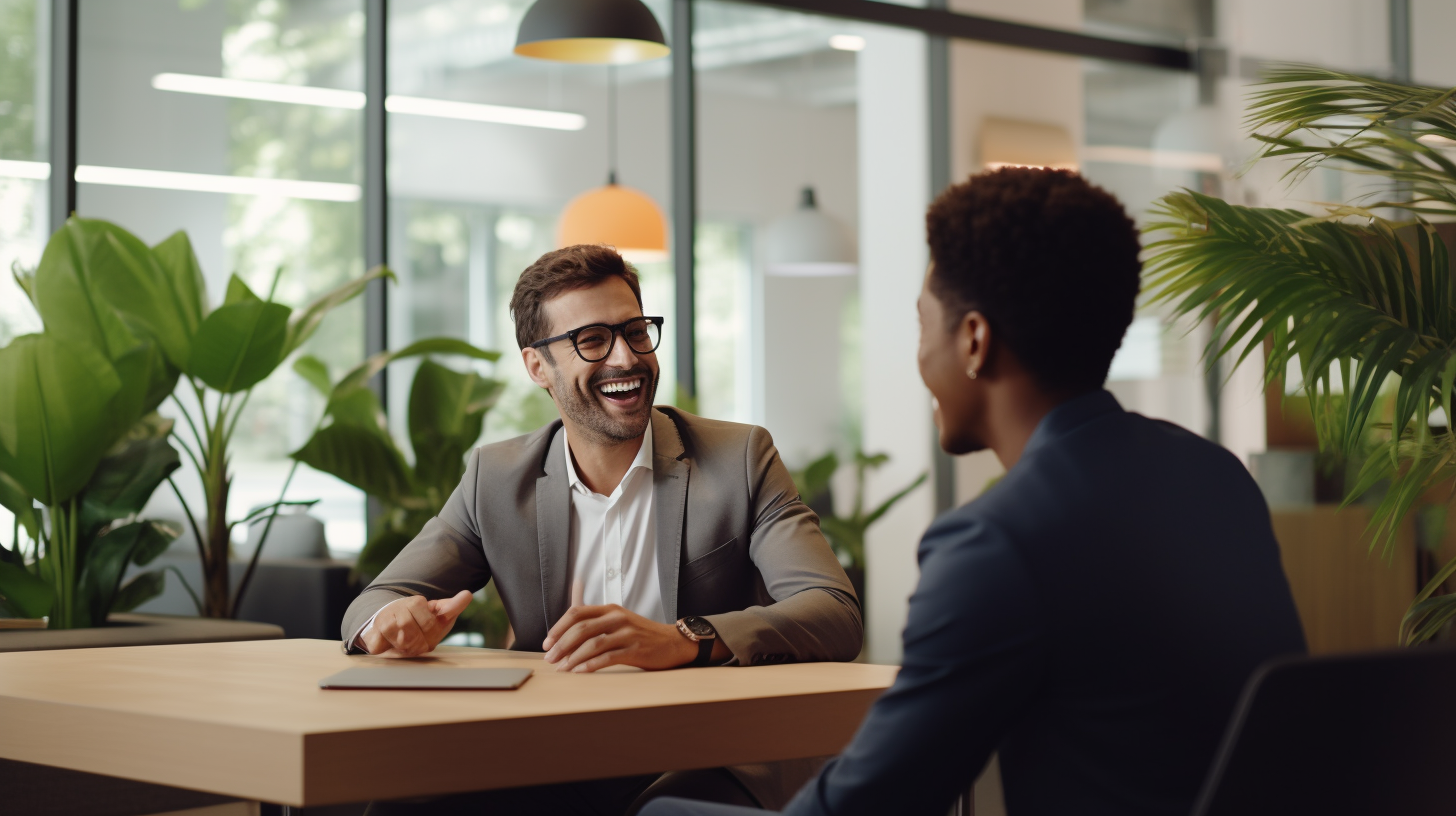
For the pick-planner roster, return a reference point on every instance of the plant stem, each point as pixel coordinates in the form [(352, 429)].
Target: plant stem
[(196, 532), (202, 407), (233, 423), (195, 435), (258, 550), (63, 567), (216, 588)]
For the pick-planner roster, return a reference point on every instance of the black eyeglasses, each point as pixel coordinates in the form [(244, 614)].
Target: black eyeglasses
[(594, 343)]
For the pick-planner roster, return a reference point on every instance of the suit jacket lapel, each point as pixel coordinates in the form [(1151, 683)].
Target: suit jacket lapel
[(670, 499), (553, 530)]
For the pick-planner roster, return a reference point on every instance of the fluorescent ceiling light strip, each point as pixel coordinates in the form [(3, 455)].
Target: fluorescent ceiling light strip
[(473, 112), (206, 183), (34, 170), (266, 91), (1171, 159), (354, 100)]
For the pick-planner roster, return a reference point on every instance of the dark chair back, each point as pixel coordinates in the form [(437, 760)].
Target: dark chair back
[(1367, 735)]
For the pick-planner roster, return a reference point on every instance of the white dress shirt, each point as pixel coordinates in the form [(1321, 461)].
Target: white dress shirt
[(612, 544), (612, 550)]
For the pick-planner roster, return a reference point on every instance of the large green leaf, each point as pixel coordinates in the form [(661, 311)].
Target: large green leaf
[(137, 543), (126, 478), (239, 345), (179, 263), (125, 274), (306, 321), (14, 498), (68, 303), (55, 417), (238, 291), (147, 379), (139, 590), (314, 372), (25, 279), (22, 594), (813, 480), (360, 455), (446, 414)]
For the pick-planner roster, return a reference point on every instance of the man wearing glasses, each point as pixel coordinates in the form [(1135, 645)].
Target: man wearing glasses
[(585, 527)]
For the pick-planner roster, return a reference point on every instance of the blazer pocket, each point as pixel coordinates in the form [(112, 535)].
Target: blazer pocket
[(710, 561)]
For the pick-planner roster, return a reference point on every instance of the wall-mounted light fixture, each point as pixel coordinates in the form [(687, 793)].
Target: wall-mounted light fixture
[(1014, 143)]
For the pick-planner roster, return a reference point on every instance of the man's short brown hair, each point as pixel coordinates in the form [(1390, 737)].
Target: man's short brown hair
[(560, 271)]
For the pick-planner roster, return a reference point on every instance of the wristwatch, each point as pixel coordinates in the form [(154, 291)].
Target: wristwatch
[(699, 631)]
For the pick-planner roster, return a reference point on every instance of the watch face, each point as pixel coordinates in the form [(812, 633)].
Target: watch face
[(700, 627)]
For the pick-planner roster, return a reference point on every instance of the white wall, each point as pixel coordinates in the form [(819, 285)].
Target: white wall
[(1433, 59), (894, 189)]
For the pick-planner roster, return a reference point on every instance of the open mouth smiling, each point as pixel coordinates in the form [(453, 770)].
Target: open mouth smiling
[(622, 392)]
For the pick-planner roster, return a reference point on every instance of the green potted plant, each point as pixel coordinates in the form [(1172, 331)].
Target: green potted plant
[(846, 534), (1363, 301), (125, 324), (447, 411)]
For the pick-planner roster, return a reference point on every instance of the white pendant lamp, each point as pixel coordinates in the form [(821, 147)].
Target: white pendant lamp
[(615, 215), (808, 243)]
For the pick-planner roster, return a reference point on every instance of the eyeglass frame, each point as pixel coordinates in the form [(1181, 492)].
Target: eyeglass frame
[(615, 329)]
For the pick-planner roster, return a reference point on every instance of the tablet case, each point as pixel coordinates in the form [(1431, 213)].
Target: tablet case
[(425, 677)]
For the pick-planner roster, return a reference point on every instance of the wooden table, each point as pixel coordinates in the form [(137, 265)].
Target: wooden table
[(249, 720)]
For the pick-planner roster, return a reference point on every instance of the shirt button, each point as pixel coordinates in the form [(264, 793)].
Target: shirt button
[(611, 573)]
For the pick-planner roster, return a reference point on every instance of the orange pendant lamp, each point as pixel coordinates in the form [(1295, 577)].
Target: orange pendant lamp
[(615, 215)]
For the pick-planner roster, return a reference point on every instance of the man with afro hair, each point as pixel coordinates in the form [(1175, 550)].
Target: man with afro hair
[(1092, 617)]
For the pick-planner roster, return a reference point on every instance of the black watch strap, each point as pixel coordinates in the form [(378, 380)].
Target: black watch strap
[(705, 651)]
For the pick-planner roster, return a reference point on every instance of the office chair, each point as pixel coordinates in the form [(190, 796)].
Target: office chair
[(1357, 735)]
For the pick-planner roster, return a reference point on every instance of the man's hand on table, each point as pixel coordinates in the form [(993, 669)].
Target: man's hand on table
[(588, 638), (410, 627)]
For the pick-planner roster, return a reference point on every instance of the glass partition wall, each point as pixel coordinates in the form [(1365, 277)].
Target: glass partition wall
[(240, 123), (243, 122), (481, 164), (24, 165)]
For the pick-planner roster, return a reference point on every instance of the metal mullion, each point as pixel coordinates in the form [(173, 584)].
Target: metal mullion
[(940, 22), (64, 55), (938, 87), (376, 201), (684, 194)]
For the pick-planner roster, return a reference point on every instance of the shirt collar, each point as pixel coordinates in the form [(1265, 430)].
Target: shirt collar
[(642, 460), (1069, 416)]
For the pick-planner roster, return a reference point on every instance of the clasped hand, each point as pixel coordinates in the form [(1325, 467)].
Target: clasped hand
[(588, 638)]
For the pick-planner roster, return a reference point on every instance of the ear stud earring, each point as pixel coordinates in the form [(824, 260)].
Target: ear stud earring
[(971, 372)]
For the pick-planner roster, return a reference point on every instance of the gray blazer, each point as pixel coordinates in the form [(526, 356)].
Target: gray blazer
[(734, 543)]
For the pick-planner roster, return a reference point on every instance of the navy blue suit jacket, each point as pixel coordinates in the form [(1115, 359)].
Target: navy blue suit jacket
[(1092, 617)]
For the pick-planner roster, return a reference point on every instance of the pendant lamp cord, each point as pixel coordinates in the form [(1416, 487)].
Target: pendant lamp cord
[(611, 124)]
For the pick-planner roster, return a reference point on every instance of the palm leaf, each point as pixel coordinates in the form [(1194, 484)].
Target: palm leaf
[(1368, 126), (1364, 298)]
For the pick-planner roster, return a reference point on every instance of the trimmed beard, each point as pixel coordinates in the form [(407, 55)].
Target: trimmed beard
[(591, 416)]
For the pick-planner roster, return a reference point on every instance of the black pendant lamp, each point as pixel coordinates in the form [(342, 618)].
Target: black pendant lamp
[(602, 32)]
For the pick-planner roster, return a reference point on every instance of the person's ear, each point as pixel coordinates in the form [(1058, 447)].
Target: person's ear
[(973, 340), (536, 367)]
